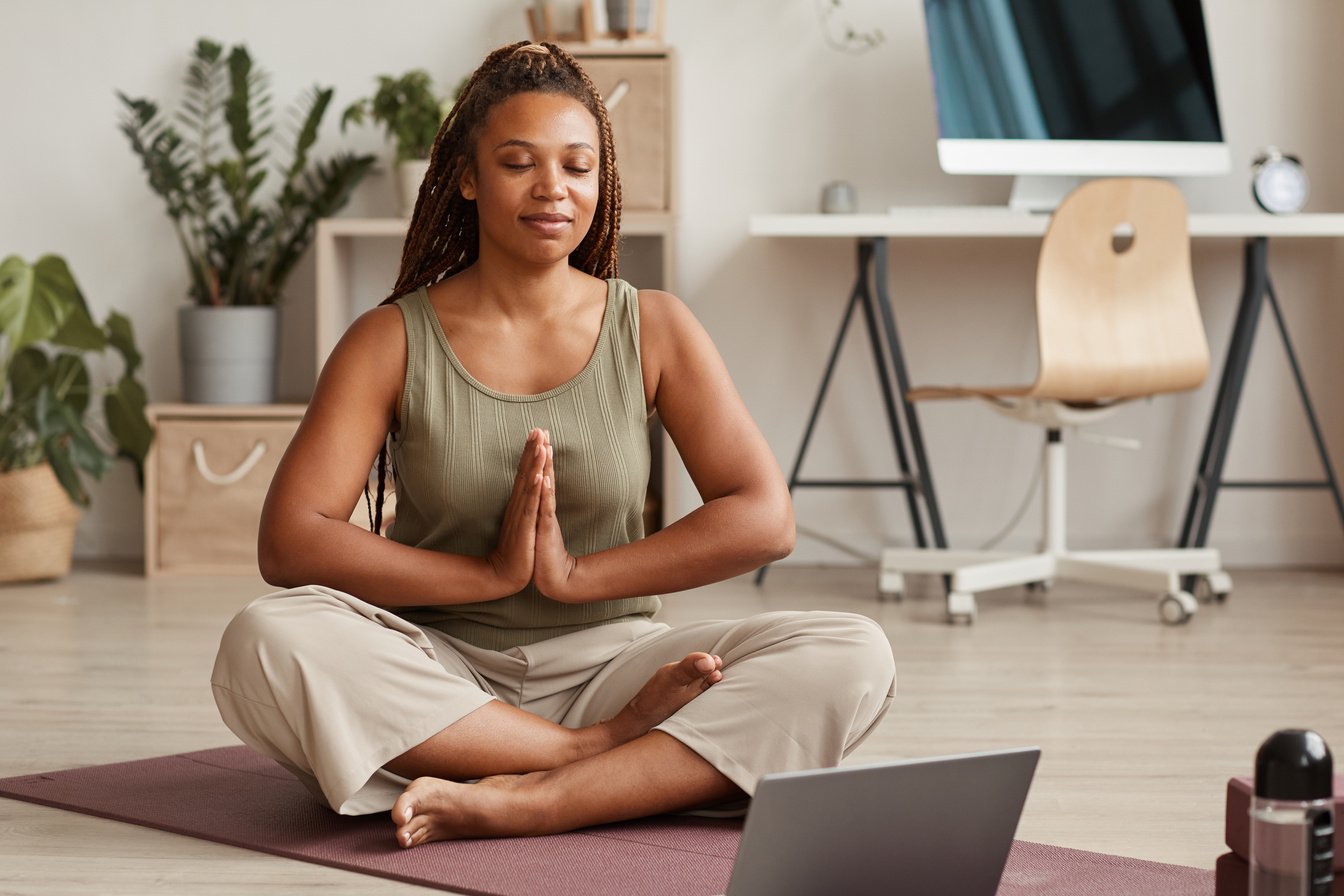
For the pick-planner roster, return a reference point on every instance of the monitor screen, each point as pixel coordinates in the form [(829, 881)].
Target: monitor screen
[(1098, 86)]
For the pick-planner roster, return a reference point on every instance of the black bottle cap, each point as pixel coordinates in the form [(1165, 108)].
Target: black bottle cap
[(1294, 764)]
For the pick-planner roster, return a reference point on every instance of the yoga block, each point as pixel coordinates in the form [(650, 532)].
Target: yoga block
[(1237, 827), (1231, 877)]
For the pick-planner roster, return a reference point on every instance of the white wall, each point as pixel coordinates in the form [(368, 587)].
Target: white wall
[(768, 114)]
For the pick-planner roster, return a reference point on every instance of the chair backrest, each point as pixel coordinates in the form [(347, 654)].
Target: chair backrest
[(1116, 314)]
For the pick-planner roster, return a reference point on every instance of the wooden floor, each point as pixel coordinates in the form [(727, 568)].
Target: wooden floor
[(1140, 724)]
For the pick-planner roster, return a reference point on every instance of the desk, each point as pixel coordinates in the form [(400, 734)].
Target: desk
[(870, 292)]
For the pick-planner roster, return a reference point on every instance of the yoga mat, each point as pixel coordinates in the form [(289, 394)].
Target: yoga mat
[(233, 795)]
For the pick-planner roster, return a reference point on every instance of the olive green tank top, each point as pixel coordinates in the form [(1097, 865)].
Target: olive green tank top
[(456, 456)]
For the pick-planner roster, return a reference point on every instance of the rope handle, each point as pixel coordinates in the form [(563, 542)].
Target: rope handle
[(238, 472)]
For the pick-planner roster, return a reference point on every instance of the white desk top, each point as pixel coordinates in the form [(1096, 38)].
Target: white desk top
[(1000, 221)]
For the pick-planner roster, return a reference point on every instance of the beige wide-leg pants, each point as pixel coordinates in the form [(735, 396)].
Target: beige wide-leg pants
[(332, 687)]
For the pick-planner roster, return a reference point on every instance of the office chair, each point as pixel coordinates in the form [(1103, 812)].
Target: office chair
[(1116, 320)]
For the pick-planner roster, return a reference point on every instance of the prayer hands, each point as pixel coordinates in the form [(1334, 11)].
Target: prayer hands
[(531, 546)]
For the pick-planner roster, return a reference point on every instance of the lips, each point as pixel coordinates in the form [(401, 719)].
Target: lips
[(547, 222)]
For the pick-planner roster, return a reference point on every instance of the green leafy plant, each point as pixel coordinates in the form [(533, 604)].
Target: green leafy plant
[(46, 391), (408, 109), (240, 243)]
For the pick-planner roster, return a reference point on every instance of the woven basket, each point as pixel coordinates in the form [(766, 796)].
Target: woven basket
[(37, 526)]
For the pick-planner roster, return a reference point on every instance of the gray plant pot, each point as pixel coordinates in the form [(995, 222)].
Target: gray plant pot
[(228, 353), (618, 15)]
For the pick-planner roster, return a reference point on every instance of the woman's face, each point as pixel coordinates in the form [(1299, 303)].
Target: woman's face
[(535, 178)]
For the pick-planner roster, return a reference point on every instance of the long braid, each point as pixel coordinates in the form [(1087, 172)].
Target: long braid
[(444, 237)]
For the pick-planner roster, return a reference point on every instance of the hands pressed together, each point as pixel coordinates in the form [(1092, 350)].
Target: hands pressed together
[(531, 547)]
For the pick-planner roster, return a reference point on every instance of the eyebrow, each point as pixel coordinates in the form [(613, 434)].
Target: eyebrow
[(526, 145)]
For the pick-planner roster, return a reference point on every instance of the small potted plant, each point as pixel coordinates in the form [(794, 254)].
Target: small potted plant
[(50, 434), (410, 112), (242, 235)]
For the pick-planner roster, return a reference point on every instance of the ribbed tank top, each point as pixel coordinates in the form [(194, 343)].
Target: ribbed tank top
[(456, 456)]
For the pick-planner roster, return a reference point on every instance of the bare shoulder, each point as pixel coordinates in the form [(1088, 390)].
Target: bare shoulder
[(376, 337), (666, 324), (660, 307), (377, 327), (368, 364), (674, 346)]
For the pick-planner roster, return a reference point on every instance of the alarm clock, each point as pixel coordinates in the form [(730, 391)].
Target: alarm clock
[(1279, 182)]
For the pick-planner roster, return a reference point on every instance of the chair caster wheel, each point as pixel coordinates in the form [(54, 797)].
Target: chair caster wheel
[(1177, 607), (960, 607), (1037, 592), (1213, 588)]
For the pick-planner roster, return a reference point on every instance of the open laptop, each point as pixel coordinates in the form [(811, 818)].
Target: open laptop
[(940, 826)]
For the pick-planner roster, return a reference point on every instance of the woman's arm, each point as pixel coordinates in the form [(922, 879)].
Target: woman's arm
[(746, 519), (305, 535)]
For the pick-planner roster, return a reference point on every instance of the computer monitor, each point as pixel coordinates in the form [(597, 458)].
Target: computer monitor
[(1054, 91)]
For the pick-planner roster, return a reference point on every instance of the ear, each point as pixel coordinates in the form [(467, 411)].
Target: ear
[(467, 185)]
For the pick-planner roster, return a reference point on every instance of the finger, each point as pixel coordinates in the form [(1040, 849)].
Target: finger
[(520, 513), (548, 484), (527, 460)]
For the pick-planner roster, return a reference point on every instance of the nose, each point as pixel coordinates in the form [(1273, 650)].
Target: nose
[(550, 183)]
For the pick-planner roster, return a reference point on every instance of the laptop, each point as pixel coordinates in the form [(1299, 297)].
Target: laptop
[(940, 826)]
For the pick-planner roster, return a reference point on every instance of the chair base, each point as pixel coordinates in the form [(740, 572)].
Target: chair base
[(971, 572)]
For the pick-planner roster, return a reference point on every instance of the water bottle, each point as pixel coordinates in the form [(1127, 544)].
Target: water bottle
[(1292, 822)]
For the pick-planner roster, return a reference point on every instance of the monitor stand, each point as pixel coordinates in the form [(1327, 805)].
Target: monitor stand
[(1040, 193)]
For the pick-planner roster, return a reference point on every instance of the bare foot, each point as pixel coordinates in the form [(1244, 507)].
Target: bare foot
[(670, 688), (432, 809)]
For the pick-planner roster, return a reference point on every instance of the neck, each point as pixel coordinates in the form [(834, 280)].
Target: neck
[(520, 290)]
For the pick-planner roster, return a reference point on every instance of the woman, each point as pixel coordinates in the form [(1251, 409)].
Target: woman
[(502, 633)]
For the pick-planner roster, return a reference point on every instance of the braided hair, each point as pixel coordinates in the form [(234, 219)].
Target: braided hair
[(444, 238)]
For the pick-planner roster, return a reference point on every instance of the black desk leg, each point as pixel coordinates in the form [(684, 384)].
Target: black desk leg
[(876, 261), (1330, 481), (1209, 478), (917, 483), (1199, 512), (925, 478)]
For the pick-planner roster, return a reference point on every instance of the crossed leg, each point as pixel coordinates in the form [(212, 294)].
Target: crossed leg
[(539, 777), (650, 775)]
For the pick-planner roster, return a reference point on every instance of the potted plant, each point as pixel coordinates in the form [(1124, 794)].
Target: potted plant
[(50, 436), (241, 235), (410, 112)]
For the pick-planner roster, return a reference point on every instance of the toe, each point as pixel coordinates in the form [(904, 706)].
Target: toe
[(702, 663)]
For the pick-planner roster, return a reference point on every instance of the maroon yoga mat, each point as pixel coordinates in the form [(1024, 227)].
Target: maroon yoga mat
[(233, 795)]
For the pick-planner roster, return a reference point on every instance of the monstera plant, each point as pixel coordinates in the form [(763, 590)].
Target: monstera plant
[(54, 430), (48, 408)]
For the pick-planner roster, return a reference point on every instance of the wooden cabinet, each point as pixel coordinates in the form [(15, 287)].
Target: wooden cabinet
[(637, 87), (205, 480)]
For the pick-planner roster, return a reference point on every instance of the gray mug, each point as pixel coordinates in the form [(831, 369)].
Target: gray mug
[(837, 198)]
